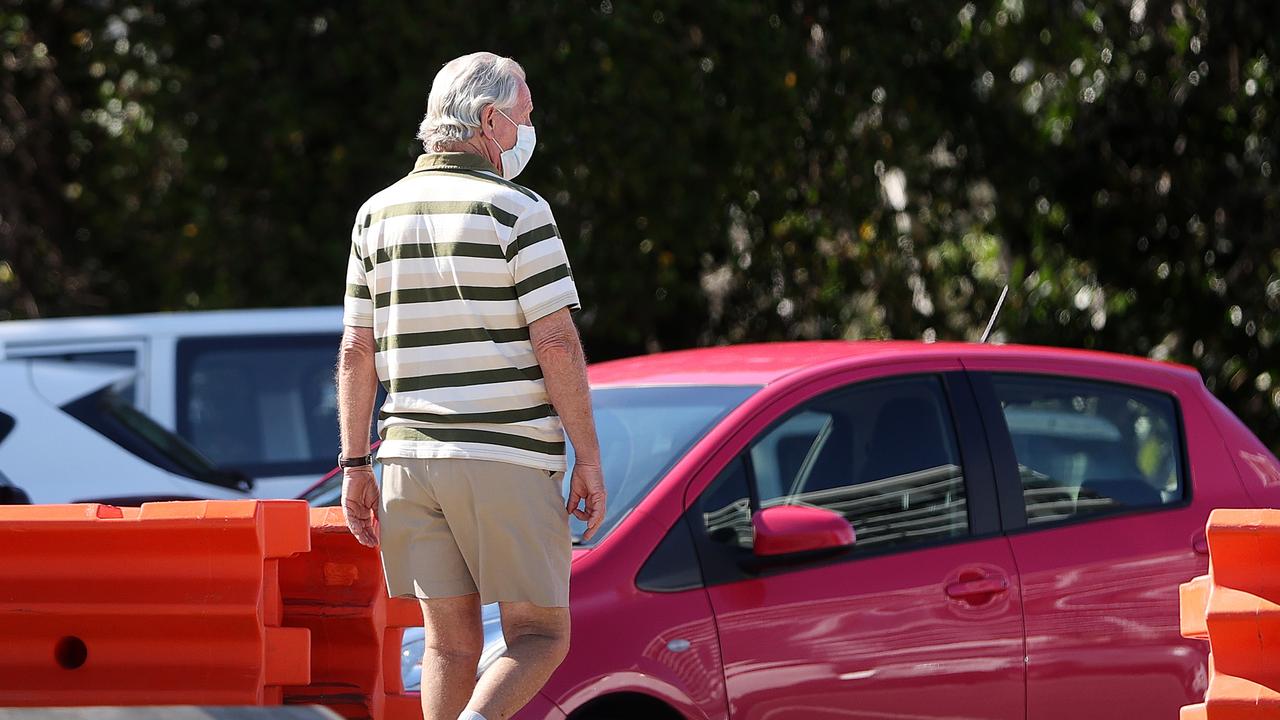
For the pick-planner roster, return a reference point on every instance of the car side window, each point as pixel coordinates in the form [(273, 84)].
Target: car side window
[(725, 507), (1086, 448), (883, 454)]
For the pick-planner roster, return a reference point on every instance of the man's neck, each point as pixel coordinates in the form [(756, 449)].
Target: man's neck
[(474, 145)]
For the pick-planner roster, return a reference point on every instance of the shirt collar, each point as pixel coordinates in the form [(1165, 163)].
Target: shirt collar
[(451, 161)]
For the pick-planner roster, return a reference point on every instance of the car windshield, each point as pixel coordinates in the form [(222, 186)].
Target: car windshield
[(643, 431)]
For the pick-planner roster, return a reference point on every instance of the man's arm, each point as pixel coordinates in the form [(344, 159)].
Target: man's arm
[(564, 371), (357, 390)]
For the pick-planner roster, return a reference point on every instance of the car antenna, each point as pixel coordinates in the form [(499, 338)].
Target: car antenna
[(986, 334)]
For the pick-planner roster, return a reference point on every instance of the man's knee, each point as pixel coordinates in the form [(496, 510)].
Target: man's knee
[(453, 629), (550, 625), (455, 652), (460, 645)]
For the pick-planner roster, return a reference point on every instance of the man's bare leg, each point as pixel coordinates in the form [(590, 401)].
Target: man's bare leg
[(537, 642), (454, 640)]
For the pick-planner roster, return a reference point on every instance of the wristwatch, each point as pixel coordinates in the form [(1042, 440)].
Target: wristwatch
[(355, 462)]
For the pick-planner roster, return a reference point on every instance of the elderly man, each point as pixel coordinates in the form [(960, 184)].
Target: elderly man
[(458, 301)]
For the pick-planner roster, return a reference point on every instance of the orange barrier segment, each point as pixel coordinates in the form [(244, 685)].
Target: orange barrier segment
[(1236, 607), (168, 603), (1243, 615), (1232, 698), (337, 592), (1193, 602)]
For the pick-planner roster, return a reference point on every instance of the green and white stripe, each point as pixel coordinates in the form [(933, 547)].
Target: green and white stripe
[(449, 266)]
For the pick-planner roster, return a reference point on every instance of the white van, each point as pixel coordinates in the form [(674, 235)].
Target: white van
[(252, 389)]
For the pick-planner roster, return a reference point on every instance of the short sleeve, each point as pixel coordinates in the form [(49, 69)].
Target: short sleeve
[(357, 306), (539, 265)]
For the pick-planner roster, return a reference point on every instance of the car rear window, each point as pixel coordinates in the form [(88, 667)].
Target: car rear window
[(1086, 448)]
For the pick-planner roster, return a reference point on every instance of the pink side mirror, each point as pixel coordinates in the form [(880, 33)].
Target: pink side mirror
[(790, 529)]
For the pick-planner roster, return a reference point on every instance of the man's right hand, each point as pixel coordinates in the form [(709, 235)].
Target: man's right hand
[(360, 504), (587, 486)]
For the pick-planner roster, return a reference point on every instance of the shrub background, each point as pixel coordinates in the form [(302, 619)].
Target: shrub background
[(722, 171)]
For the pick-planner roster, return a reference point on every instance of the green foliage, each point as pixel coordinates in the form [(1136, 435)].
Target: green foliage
[(727, 170)]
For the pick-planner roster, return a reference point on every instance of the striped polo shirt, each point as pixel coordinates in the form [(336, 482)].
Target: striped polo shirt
[(449, 266)]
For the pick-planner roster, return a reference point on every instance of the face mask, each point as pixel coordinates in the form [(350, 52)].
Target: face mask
[(514, 160)]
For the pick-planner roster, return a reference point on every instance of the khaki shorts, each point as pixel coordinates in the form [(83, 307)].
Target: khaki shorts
[(454, 527)]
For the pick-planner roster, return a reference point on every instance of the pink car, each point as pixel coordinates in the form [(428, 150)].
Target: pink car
[(892, 529)]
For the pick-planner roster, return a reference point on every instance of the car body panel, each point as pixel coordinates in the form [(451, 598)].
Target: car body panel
[(1100, 594), (1258, 468), (35, 454), (59, 384), (821, 641), (541, 708), (869, 638), (667, 647), (768, 363)]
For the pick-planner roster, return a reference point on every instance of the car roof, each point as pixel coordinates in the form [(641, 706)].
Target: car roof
[(186, 324), (764, 363)]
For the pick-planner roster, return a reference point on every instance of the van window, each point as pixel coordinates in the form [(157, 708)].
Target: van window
[(264, 405), (115, 358)]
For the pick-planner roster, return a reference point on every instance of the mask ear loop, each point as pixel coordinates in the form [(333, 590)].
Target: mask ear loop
[(495, 140), (514, 124)]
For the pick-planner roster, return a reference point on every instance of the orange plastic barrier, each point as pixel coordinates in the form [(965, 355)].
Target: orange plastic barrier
[(173, 603), (337, 592), (1236, 607)]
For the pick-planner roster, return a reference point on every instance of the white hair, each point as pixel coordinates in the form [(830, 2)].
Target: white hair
[(461, 90)]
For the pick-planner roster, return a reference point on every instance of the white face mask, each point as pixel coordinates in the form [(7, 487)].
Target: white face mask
[(514, 160)]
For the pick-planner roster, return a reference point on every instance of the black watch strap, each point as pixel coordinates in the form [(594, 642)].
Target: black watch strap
[(355, 462)]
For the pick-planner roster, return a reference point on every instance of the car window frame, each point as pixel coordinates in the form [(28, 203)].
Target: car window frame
[(1013, 512), (723, 563), (185, 354)]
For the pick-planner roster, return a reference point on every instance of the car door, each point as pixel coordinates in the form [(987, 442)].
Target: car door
[(922, 617), (1110, 483)]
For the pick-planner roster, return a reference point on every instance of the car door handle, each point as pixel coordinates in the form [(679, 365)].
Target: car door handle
[(971, 588)]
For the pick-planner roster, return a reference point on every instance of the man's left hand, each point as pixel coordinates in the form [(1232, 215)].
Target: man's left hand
[(587, 487), (360, 504)]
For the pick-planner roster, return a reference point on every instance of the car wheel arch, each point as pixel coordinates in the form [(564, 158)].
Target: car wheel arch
[(628, 705)]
